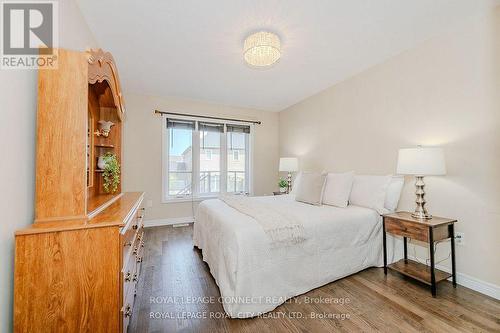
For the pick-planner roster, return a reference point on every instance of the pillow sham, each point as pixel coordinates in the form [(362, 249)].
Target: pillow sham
[(394, 192), (310, 188), (338, 188), (369, 191)]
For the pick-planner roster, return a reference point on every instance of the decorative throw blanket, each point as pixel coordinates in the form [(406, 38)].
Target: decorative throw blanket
[(281, 227)]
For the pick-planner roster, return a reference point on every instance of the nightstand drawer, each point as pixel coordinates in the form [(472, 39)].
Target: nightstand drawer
[(407, 229)]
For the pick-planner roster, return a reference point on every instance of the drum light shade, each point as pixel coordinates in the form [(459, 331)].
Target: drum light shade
[(421, 161), (289, 164), (262, 49)]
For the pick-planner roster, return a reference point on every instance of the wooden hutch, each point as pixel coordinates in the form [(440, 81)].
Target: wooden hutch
[(77, 265)]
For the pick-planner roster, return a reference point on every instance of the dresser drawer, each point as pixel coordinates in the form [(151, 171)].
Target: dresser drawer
[(407, 229), (126, 311), (128, 241), (128, 271), (134, 221), (139, 258), (130, 279), (130, 260), (140, 216), (132, 235), (131, 231), (138, 243)]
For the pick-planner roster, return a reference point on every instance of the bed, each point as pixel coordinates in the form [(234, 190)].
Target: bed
[(255, 277)]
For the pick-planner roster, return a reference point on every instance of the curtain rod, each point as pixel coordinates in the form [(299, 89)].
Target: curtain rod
[(208, 117)]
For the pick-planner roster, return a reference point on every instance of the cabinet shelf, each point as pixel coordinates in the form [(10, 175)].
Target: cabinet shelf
[(418, 271), (99, 145)]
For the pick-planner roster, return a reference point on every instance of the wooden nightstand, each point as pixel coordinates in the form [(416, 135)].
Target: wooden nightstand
[(429, 231)]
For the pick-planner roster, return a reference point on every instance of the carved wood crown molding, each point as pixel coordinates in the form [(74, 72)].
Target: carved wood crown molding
[(102, 68)]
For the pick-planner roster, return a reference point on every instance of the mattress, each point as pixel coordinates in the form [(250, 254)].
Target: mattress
[(255, 277)]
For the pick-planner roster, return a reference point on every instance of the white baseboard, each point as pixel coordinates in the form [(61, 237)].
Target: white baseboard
[(470, 282), (169, 221), (480, 286)]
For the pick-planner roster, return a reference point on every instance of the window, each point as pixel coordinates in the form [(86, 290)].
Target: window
[(210, 168), (180, 158), (237, 164), (205, 159)]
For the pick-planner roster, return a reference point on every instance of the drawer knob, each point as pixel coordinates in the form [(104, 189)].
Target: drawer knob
[(128, 311), (134, 226), (127, 277), (138, 259)]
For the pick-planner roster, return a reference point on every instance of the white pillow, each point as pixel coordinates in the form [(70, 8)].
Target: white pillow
[(369, 191), (338, 188), (310, 188), (394, 192)]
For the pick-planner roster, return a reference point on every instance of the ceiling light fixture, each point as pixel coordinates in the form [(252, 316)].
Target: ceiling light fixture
[(262, 49)]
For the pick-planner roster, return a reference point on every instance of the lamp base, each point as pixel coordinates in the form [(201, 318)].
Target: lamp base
[(420, 211), (289, 181), (421, 216)]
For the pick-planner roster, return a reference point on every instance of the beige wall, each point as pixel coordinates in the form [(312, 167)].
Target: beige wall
[(18, 95), (142, 148), (445, 92)]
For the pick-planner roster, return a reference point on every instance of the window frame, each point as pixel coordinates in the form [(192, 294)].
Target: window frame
[(195, 169)]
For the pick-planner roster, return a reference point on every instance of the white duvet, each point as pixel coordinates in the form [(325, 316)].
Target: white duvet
[(254, 277)]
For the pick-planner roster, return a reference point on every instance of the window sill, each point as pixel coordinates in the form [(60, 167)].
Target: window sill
[(195, 199), (198, 199)]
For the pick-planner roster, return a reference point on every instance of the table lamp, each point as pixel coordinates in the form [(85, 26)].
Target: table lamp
[(420, 162), (289, 164)]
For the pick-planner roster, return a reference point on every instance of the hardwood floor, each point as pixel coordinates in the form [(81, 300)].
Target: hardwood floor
[(367, 301)]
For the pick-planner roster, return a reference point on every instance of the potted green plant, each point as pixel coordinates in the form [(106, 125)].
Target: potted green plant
[(111, 173), (283, 184)]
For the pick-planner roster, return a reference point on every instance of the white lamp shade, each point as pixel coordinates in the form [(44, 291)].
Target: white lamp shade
[(289, 164), (421, 161)]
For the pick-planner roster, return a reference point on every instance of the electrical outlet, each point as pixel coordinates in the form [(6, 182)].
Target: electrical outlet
[(459, 238), (149, 203)]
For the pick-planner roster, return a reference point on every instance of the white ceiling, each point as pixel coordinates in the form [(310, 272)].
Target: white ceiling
[(193, 48)]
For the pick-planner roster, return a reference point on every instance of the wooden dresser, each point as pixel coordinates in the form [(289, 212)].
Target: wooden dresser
[(79, 277), (77, 265)]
